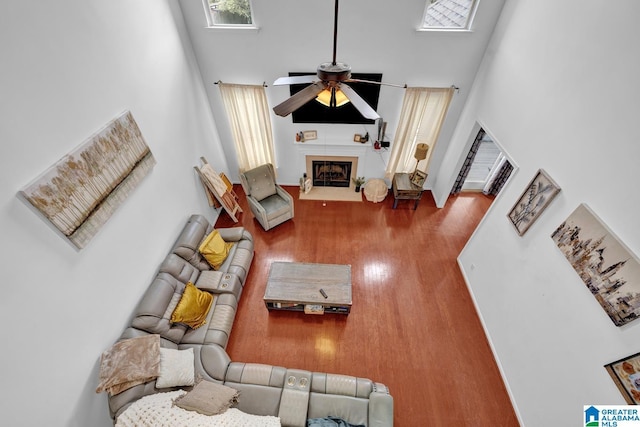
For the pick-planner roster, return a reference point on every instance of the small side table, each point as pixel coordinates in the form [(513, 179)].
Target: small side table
[(404, 189)]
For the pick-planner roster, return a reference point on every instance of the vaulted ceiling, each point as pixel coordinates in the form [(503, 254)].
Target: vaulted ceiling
[(374, 36)]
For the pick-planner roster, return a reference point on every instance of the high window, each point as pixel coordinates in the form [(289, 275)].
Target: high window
[(448, 14), (229, 13)]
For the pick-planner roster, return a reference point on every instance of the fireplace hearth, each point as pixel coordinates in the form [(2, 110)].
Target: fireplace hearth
[(328, 173)]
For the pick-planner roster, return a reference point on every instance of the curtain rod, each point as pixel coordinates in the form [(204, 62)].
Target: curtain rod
[(454, 87), (264, 84)]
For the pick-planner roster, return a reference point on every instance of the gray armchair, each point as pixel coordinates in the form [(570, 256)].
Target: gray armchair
[(270, 204)]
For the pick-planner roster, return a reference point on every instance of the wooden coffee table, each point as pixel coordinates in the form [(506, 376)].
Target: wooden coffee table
[(295, 286)]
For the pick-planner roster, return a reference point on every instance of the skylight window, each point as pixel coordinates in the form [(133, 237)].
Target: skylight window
[(448, 14), (229, 13)]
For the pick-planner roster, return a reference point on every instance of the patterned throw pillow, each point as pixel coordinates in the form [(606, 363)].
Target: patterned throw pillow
[(208, 398)]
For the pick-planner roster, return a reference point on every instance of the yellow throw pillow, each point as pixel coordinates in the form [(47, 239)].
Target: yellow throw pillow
[(193, 307), (214, 249)]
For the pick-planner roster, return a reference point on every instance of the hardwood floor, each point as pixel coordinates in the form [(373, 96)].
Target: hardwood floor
[(413, 325)]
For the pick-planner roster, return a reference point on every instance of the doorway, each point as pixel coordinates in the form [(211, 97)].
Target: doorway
[(485, 161), (485, 168)]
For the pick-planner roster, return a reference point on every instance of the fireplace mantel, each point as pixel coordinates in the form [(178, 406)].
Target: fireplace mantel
[(336, 143), (353, 150)]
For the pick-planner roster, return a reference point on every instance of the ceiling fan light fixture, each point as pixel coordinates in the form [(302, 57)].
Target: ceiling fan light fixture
[(330, 88), (324, 98)]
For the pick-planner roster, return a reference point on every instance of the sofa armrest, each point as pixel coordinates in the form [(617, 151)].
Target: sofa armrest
[(209, 280), (233, 234), (294, 403), (211, 361), (256, 207), (286, 196), (380, 409)]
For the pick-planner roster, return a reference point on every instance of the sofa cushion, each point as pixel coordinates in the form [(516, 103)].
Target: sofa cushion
[(153, 314), (214, 249), (179, 268), (208, 398), (219, 323), (261, 183), (260, 386), (176, 368), (275, 206), (352, 409), (193, 307), (343, 396), (186, 245)]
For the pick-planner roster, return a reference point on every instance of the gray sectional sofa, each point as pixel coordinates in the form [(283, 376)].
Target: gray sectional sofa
[(294, 395)]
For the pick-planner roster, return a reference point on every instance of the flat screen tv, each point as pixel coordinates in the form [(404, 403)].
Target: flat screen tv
[(314, 112)]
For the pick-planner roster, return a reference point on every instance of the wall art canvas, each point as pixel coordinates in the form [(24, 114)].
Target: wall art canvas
[(625, 373), (535, 199), (606, 266), (80, 192)]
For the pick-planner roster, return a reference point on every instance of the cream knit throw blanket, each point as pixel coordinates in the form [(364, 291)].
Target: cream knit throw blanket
[(157, 410)]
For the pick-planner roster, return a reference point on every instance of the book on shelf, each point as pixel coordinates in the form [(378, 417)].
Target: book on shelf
[(285, 305), (313, 309)]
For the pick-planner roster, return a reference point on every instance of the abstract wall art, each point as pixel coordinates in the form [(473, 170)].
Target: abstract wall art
[(625, 373), (81, 191), (607, 267), (535, 199)]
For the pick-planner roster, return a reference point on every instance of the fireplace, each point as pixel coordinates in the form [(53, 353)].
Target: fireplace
[(328, 173), (331, 171)]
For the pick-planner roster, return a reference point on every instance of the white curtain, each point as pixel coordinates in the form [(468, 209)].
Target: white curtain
[(421, 118), (250, 121)]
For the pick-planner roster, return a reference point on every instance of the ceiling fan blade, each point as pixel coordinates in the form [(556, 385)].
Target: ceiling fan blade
[(375, 83), (299, 99), (360, 104), (294, 80)]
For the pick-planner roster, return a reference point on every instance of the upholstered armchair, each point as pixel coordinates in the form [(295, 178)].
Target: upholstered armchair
[(270, 204)]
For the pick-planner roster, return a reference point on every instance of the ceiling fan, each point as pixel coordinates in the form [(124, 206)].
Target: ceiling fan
[(327, 86)]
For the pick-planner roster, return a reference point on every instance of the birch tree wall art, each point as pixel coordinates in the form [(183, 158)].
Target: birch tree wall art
[(80, 192), (535, 198)]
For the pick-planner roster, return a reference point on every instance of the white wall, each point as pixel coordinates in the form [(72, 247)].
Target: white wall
[(69, 67), (557, 90), (373, 36)]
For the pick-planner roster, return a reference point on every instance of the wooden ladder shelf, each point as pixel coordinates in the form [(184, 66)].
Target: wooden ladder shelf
[(218, 189)]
